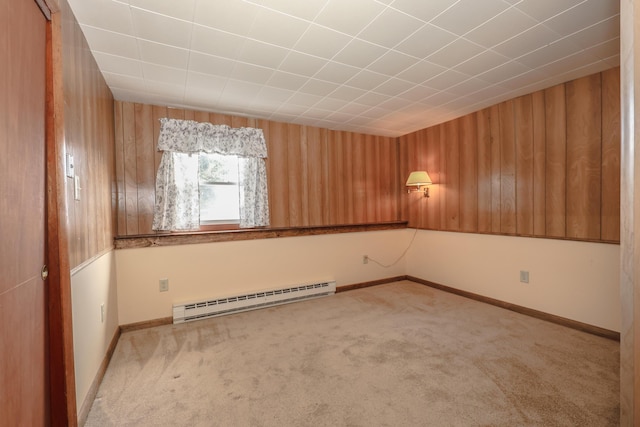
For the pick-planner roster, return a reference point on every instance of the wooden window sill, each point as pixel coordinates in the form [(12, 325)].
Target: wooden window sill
[(188, 238)]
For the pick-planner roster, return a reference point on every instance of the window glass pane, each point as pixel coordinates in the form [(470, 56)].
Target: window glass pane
[(219, 203), (219, 192), (216, 168)]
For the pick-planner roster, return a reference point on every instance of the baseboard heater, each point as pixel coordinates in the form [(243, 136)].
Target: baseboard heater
[(217, 307)]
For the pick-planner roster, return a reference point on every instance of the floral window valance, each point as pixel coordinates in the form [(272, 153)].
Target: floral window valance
[(177, 196)]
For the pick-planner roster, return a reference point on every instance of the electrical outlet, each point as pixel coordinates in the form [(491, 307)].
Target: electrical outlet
[(524, 276), (365, 259), (164, 285), (102, 313)]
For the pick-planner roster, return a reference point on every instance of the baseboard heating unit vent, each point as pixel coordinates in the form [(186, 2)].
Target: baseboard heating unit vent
[(217, 307)]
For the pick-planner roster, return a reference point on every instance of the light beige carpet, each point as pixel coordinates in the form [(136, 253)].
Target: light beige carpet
[(400, 354)]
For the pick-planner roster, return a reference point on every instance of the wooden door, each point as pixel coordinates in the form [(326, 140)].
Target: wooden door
[(23, 321)]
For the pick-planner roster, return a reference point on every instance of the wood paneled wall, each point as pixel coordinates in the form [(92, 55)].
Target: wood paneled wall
[(316, 176), (545, 164), (89, 137)]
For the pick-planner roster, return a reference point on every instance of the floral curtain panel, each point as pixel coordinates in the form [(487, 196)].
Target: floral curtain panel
[(177, 200)]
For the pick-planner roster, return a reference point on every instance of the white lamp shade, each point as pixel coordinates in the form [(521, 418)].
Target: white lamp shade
[(418, 178)]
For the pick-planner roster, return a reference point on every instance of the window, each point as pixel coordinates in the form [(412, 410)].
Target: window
[(231, 183), (219, 190)]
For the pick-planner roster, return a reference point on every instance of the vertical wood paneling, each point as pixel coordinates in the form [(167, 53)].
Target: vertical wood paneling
[(556, 165), (121, 212), (295, 166), (451, 140), (483, 124), (584, 157), (523, 112), (359, 177), (539, 164), (349, 189), (145, 156), (414, 198), (420, 164), (433, 168), (371, 184), (324, 185), (507, 168), (468, 174), (130, 169), (611, 134), (314, 186), (278, 177), (386, 179), (496, 182), (158, 113)]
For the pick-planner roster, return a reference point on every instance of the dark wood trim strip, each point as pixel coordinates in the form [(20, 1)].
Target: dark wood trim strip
[(346, 288), (61, 362), (145, 241), (573, 324), (146, 324), (95, 384)]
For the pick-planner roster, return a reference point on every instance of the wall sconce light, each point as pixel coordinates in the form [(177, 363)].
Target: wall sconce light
[(419, 179)]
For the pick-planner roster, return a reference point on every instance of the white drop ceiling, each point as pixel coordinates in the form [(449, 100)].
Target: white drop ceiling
[(383, 67)]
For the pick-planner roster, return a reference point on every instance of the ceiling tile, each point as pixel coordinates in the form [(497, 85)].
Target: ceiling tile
[(239, 92), (301, 63), (322, 42), (277, 28), (335, 72), (549, 53), (263, 54), (394, 87), (390, 28), (227, 15), (504, 72), (104, 14), (597, 33), (542, 10), (467, 87), (482, 62), (162, 54), (209, 64), (346, 93), (159, 73), (184, 9), (527, 41), (465, 15), (214, 42), (161, 29), (367, 80), (440, 98), (111, 43), (392, 63), (307, 9), (502, 27), (421, 72), (426, 41), (288, 81), (251, 73), (329, 104), (424, 10), (583, 15), (454, 53), (605, 50), (349, 17), (523, 80), (318, 87), (371, 99), (446, 80), (359, 53), (418, 93), (171, 92), (274, 95), (302, 99), (118, 64), (570, 62)]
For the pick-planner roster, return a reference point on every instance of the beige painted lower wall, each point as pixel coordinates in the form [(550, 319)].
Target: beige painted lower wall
[(575, 280), (224, 269), (92, 285)]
